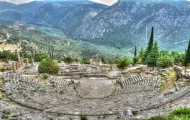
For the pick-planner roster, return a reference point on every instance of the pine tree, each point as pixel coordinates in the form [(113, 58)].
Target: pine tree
[(103, 59), (141, 52), (135, 53), (187, 56), (149, 47), (153, 56), (135, 56)]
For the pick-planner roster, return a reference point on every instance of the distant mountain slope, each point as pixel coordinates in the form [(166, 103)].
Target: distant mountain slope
[(23, 12), (125, 23), (67, 15), (44, 39), (6, 5)]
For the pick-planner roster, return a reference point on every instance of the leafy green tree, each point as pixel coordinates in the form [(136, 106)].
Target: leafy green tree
[(68, 59), (85, 61), (103, 59), (39, 57), (149, 47), (123, 63), (164, 53), (59, 60), (7, 55), (187, 56), (153, 56), (141, 52), (165, 61), (48, 66), (13, 39), (178, 57)]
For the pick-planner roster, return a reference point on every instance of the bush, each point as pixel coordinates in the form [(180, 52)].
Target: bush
[(165, 61), (83, 117), (136, 60), (68, 59), (59, 60), (48, 66), (3, 69), (158, 118), (181, 111), (123, 63), (85, 61), (179, 114)]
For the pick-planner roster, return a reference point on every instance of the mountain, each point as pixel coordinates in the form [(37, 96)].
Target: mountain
[(123, 25), (6, 5), (53, 39), (23, 12), (127, 23), (67, 16)]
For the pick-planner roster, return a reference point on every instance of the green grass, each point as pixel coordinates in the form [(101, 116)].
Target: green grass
[(178, 114)]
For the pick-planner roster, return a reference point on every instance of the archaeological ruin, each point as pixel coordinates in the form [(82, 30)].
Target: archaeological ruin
[(96, 91)]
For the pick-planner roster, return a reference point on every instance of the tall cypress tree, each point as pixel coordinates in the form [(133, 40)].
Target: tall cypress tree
[(135, 55), (187, 56), (150, 46), (153, 55)]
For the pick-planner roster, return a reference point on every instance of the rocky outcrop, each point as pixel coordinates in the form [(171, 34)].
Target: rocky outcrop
[(130, 20), (180, 72)]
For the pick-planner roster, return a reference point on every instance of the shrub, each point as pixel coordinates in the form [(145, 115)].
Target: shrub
[(45, 77), (179, 114), (48, 66), (68, 59), (158, 118), (59, 60), (181, 111), (165, 61), (123, 63), (83, 117), (85, 61), (3, 69)]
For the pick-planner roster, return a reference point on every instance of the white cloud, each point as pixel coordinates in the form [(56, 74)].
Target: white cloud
[(20, 1), (107, 2)]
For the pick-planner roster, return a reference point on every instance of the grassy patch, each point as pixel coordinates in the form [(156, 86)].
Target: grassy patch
[(179, 114), (171, 81)]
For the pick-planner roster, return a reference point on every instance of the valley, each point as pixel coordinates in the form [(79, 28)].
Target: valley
[(82, 60)]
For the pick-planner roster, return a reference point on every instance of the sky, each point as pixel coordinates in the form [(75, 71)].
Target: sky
[(106, 2)]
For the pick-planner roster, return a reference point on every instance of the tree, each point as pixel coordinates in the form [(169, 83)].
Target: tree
[(164, 53), (48, 66), (141, 52), (123, 63), (165, 61), (13, 39), (153, 56), (135, 56), (135, 53), (68, 59), (85, 61), (149, 47), (103, 59), (178, 57), (187, 56)]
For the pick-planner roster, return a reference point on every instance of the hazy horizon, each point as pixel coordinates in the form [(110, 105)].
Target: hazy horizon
[(106, 2)]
